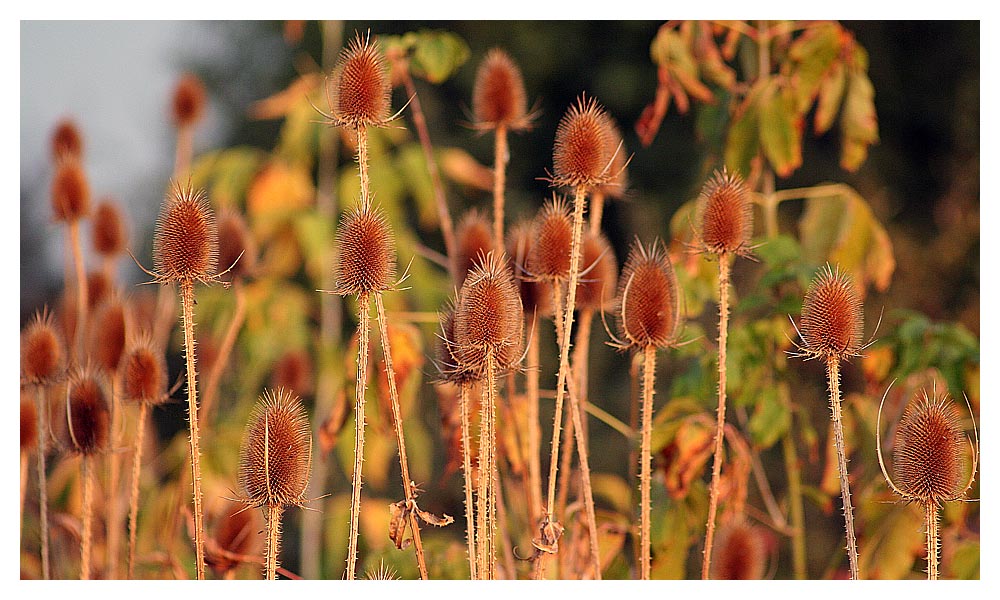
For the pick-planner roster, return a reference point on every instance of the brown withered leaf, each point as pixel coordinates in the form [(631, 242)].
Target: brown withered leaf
[(278, 105), (432, 519), (460, 167), (685, 456), (329, 431), (398, 517), (548, 541)]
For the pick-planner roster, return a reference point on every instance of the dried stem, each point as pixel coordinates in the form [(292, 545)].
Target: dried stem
[(359, 431), (225, 349), (272, 515), (793, 471), (470, 529), (833, 375), (596, 211), (43, 501), (87, 517), (81, 289), (500, 152), (114, 520), (534, 429), (397, 419), (932, 518), (133, 512), (648, 389), (487, 472), (187, 302), (363, 165), (24, 489), (576, 411), (184, 151), (557, 419)]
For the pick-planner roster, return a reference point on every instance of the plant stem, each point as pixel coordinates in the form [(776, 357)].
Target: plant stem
[(470, 530), (833, 375), (272, 515), (648, 389), (500, 152), (720, 423), (133, 512), (793, 470), (184, 151), (43, 501), (596, 211), (932, 518), (81, 290), (363, 165), (397, 419), (588, 493), (87, 516), (225, 349), (488, 474), (359, 431), (114, 520), (187, 301), (534, 429)]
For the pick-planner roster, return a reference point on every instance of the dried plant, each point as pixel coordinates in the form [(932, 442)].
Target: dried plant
[(70, 205), (742, 552), (108, 235), (473, 239), (187, 106), (67, 141)]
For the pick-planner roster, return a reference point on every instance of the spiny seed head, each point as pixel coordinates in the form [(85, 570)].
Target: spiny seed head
[(67, 142), (536, 295), (929, 453), (832, 316), (617, 173), (70, 192), (550, 254), (144, 372), (107, 335), (293, 372), (108, 234), (362, 88), (446, 351), (237, 247), (186, 239), (42, 354), (87, 422), (488, 317), (580, 156), (189, 101), (741, 552), (649, 298), (474, 238), (725, 214), (599, 272), (98, 289), (366, 260), (276, 453), (498, 97), (29, 424)]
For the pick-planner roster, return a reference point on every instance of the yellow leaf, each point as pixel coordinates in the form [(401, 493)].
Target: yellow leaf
[(277, 192)]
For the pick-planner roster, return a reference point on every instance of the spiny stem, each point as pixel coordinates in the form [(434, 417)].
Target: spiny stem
[(833, 375), (793, 471), (87, 516), (557, 419), (133, 512), (720, 423), (81, 289), (187, 301), (482, 493), (363, 165), (225, 349), (359, 431), (114, 475), (43, 501), (470, 530), (397, 419), (500, 152), (489, 474), (932, 518), (588, 494), (534, 429), (648, 389), (272, 514)]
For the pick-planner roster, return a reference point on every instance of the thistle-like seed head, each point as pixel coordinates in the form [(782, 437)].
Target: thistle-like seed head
[(550, 253), (189, 100), (599, 273), (237, 247), (88, 417), (107, 335), (498, 97), (447, 360), (581, 155), (725, 215), (929, 453), (617, 172), (98, 289), (488, 318), (186, 239), (536, 295), (832, 315), (649, 298), (144, 372), (67, 142), (473, 238), (42, 350), (108, 234), (741, 552), (293, 372), (362, 88), (276, 453), (70, 192), (366, 260), (29, 424)]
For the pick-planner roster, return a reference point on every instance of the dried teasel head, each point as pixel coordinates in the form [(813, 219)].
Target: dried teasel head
[(581, 155), (189, 100), (366, 260), (186, 239), (447, 362), (108, 233), (99, 287), (536, 295), (649, 299), (29, 424), (293, 372), (725, 215), (617, 183), (498, 97), (832, 316), (67, 141), (87, 414), (740, 552), (488, 318), (144, 372), (42, 350), (237, 247), (473, 239), (276, 453), (70, 192), (598, 275), (107, 335), (550, 253), (361, 88)]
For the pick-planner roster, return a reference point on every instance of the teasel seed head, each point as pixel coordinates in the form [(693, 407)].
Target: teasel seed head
[(108, 234), (42, 350), (536, 295), (929, 455), (107, 335), (70, 192), (99, 287), (276, 453), (186, 239), (67, 141), (498, 97), (29, 423), (725, 215), (617, 183), (237, 247), (598, 274), (366, 260), (189, 100), (474, 238), (581, 155), (550, 253), (88, 417), (362, 88), (488, 318), (741, 552), (447, 361), (832, 316), (649, 298), (144, 372), (293, 372)]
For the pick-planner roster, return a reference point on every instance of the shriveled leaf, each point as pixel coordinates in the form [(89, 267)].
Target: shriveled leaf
[(398, 515), (685, 457), (780, 128), (831, 93), (432, 519), (460, 167), (858, 122)]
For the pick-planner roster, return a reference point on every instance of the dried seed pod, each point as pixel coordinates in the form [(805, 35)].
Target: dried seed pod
[(88, 418), (362, 88), (617, 183), (498, 97), (107, 335), (293, 372), (725, 214), (599, 272), (144, 373), (366, 260), (237, 247), (189, 100), (186, 239), (741, 552), (108, 234), (536, 296), (67, 142), (832, 317), (649, 298), (447, 361), (29, 424), (98, 288), (550, 253), (929, 453), (474, 238), (70, 192), (276, 453), (42, 350), (580, 156), (488, 317)]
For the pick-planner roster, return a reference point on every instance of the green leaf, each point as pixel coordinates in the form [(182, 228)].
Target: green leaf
[(810, 56), (831, 92), (965, 561), (743, 140), (437, 55), (858, 122), (780, 128), (770, 420)]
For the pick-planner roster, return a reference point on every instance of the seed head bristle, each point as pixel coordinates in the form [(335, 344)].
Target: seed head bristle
[(596, 288), (235, 533), (741, 552), (725, 214), (474, 238), (536, 295), (42, 350), (366, 260), (617, 172), (88, 418), (107, 335), (276, 453), (67, 141), (383, 573), (832, 315), (929, 453), (447, 361), (186, 239), (498, 97), (29, 424), (488, 318), (362, 88), (237, 247), (293, 372), (144, 372), (649, 298), (189, 100), (580, 156), (70, 191), (108, 234), (550, 253)]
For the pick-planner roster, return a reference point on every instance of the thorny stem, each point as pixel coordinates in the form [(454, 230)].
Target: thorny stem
[(500, 152), (833, 375), (713, 502), (534, 429), (81, 289), (489, 475), (87, 517), (225, 349), (187, 300), (114, 475), (482, 538), (648, 389), (363, 165), (43, 502), (470, 530), (133, 512), (588, 494), (272, 514), (359, 431), (397, 419), (932, 518)]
